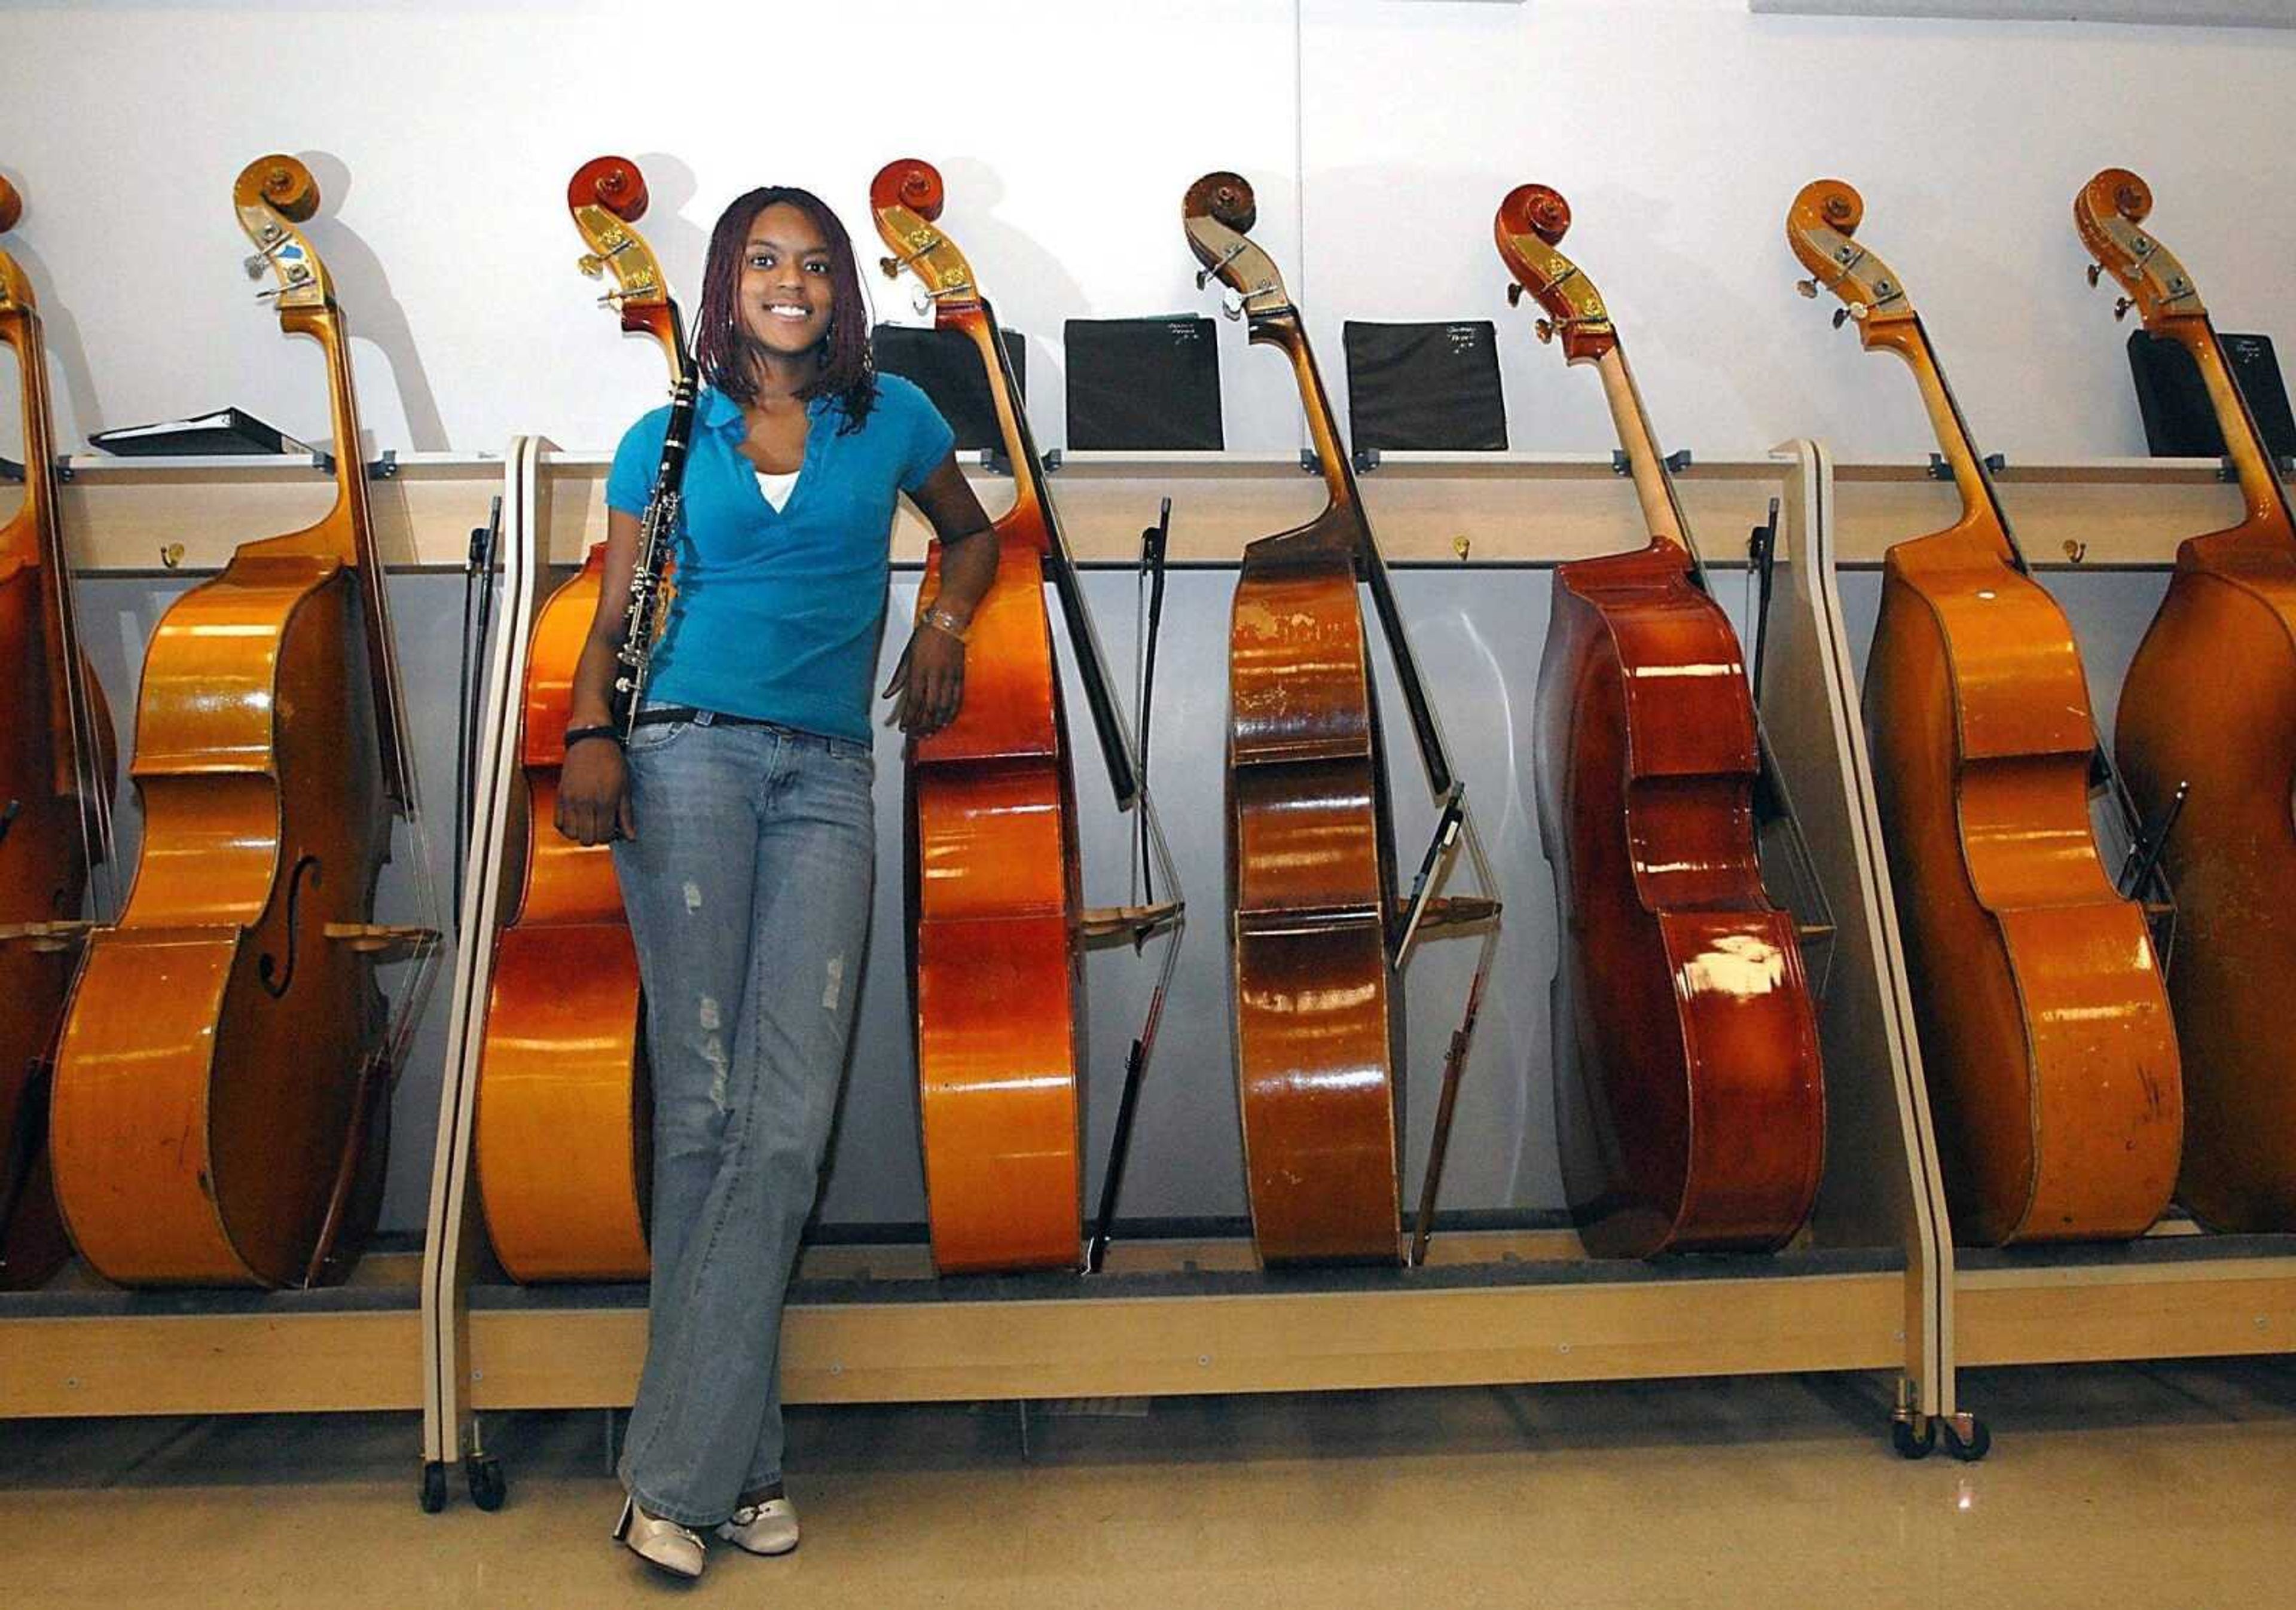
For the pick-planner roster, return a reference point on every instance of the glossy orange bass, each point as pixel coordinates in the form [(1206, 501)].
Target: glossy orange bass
[(564, 1136), (1689, 1105), (222, 1088), (57, 761), (997, 923), (2209, 707), (2052, 1063), (1316, 930)]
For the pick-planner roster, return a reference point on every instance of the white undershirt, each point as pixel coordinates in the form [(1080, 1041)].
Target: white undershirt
[(777, 488)]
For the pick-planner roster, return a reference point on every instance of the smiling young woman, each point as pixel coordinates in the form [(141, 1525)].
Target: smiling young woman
[(744, 823)]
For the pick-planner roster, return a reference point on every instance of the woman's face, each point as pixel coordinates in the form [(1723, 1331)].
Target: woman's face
[(785, 294)]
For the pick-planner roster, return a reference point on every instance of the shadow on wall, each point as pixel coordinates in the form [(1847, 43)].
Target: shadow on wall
[(1710, 353), (680, 244), (370, 310), (1011, 261), (1259, 399), (67, 351)]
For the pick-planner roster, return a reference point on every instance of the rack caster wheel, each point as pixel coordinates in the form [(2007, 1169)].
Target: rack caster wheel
[(1912, 1444), (434, 1486), (487, 1487), (1966, 1437)]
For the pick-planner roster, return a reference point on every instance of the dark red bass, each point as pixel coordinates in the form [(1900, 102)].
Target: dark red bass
[(1688, 1103)]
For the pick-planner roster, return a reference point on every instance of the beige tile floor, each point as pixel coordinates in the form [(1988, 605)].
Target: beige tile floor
[(2109, 1487)]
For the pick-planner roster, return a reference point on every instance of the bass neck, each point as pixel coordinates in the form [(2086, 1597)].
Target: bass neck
[(1981, 508), (347, 535), (348, 531), (1284, 329), (1654, 489), (1032, 519), (2261, 490), (34, 537), (31, 538)]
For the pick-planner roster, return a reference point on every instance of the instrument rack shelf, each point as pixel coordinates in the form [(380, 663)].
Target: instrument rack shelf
[(126, 515), (80, 1347), (1492, 1306), (2177, 1292), (872, 1323)]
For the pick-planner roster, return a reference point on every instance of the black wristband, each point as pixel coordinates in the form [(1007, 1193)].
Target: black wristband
[(612, 735)]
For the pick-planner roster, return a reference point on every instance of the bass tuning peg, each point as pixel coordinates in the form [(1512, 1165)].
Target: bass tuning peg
[(270, 240), (591, 264), (1809, 288), (1204, 274), (891, 266), (1544, 330), (1231, 304), (298, 273), (2096, 273), (2120, 306), (1514, 293)]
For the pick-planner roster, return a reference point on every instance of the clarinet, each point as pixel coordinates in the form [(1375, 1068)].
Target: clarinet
[(657, 537)]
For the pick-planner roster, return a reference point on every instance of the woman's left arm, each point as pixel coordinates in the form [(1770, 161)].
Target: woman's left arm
[(929, 680)]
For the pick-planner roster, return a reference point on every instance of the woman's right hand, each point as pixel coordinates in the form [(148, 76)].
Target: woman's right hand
[(593, 794)]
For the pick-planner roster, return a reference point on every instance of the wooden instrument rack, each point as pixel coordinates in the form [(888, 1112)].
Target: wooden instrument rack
[(1876, 1286)]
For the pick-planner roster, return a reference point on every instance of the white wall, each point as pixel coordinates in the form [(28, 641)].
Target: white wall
[(1680, 130), (443, 135)]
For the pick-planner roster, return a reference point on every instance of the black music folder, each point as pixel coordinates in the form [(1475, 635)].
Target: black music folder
[(227, 430), (1424, 388), (1147, 385), (946, 365), (2179, 419)]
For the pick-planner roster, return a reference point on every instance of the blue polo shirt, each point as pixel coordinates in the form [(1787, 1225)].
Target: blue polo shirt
[(778, 611)]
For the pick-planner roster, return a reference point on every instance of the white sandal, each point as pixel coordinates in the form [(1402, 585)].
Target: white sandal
[(769, 1528), (665, 1545)]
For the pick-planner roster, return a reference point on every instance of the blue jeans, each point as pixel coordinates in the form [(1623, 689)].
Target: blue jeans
[(748, 888)]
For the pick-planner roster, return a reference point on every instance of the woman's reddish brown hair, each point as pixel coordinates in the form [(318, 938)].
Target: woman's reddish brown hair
[(723, 347)]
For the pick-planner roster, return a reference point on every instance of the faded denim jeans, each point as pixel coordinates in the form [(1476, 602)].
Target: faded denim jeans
[(748, 888)]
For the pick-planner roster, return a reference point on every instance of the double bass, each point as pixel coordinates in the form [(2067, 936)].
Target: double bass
[(2209, 711), (1318, 934), (57, 761), (222, 1087), (564, 1133), (1689, 1105), (2051, 1061), (997, 926)]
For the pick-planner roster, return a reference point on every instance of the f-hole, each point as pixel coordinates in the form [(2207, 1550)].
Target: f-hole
[(267, 968)]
